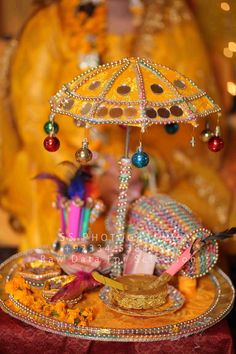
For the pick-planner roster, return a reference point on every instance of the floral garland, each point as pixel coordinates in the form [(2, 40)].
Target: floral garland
[(84, 26), (84, 23), (33, 299)]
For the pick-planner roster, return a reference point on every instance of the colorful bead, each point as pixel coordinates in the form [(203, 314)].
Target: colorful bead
[(140, 159), (162, 227), (51, 143), (206, 134), (215, 143), (84, 155), (51, 127), (172, 128)]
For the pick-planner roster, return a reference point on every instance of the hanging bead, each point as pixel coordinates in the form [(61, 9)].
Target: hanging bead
[(84, 155), (215, 143), (192, 141), (140, 158), (51, 127), (206, 134), (51, 143), (172, 128)]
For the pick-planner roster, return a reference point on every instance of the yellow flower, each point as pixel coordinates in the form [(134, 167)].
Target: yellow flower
[(60, 306), (33, 299), (82, 323), (9, 288)]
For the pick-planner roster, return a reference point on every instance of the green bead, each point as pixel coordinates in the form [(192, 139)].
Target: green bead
[(51, 127)]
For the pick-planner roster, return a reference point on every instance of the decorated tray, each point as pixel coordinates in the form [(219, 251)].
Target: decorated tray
[(212, 301)]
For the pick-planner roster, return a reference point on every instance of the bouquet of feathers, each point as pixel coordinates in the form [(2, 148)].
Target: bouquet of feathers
[(76, 201), (79, 207)]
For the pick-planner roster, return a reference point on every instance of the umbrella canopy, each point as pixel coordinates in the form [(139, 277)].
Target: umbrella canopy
[(133, 92)]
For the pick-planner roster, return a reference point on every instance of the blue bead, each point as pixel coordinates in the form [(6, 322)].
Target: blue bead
[(172, 128), (140, 159)]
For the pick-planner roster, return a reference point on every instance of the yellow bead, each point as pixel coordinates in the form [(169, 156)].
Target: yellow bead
[(83, 155), (206, 134)]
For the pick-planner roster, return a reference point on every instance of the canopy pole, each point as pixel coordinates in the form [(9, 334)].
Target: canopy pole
[(122, 206)]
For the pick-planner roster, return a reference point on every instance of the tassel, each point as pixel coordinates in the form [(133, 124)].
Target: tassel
[(198, 243), (222, 235)]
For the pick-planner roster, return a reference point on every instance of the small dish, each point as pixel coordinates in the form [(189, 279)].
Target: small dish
[(53, 285), (174, 302)]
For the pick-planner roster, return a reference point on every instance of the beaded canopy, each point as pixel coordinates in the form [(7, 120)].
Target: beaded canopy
[(133, 92)]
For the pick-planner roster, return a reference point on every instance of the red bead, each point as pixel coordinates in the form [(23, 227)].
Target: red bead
[(51, 143), (215, 143)]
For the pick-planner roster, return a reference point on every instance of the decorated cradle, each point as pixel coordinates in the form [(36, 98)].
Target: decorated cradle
[(159, 230)]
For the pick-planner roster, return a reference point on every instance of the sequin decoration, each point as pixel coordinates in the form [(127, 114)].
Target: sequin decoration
[(156, 88), (121, 209), (86, 108), (176, 111), (165, 228), (123, 89), (137, 83), (150, 112), (116, 112), (68, 103), (102, 111), (179, 84), (163, 112), (94, 85), (130, 112)]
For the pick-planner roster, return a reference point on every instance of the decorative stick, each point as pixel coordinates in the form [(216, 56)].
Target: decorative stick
[(108, 281), (80, 223), (62, 215), (122, 206), (87, 211), (63, 212), (74, 212)]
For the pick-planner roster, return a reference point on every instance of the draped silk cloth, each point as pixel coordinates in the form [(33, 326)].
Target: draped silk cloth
[(17, 337)]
